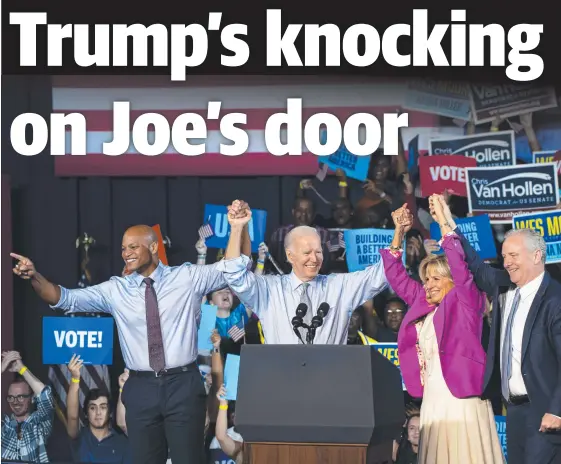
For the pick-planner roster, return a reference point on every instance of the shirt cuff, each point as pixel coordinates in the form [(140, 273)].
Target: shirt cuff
[(238, 264), (63, 294)]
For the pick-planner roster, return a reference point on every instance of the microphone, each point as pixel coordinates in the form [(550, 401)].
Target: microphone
[(298, 320), (317, 321)]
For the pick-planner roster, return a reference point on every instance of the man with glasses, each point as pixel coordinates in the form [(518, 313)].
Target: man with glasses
[(26, 431)]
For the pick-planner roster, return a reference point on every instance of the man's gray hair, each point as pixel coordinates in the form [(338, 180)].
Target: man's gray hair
[(534, 240), (299, 231)]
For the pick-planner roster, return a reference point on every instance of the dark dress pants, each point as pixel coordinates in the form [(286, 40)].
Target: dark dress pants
[(166, 412)]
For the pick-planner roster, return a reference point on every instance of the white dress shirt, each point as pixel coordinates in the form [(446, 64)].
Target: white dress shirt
[(527, 295), (274, 298)]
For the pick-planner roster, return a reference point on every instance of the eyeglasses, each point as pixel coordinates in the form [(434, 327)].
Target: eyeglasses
[(17, 399)]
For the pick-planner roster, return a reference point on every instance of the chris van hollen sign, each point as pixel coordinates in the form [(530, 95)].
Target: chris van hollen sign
[(488, 149), (504, 192)]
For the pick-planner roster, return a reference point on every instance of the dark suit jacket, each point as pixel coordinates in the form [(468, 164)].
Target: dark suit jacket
[(541, 343)]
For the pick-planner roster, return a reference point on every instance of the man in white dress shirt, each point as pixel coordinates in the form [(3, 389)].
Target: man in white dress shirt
[(275, 298)]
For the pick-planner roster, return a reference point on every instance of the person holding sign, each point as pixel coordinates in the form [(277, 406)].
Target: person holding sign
[(98, 441), (524, 349), (156, 309), (275, 299), (440, 352)]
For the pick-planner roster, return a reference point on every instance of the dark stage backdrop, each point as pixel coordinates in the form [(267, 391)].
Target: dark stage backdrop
[(49, 213)]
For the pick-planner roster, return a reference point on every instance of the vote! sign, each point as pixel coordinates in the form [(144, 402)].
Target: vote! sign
[(439, 173), (89, 337), (217, 217)]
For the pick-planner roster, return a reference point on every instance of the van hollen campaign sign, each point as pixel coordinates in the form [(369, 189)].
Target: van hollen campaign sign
[(488, 149), (503, 192)]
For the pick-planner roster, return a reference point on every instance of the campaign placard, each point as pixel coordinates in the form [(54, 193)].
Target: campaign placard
[(488, 148), (439, 173), (488, 102), (548, 156), (217, 217), (548, 224), (363, 247), (91, 338), (354, 166), (206, 325), (500, 422), (231, 374), (389, 351), (445, 98), (477, 230), (503, 192)]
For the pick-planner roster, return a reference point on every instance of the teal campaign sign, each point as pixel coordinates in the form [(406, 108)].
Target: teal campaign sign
[(363, 247), (500, 422), (355, 166)]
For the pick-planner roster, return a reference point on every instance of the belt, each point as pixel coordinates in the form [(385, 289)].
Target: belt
[(518, 400), (172, 370)]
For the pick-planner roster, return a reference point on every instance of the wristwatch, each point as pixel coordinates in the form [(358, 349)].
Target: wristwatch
[(215, 350)]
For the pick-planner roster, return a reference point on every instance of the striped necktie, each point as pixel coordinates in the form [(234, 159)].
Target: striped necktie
[(506, 355), (305, 298)]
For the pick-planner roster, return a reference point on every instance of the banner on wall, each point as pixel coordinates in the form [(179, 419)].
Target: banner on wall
[(488, 149), (217, 217), (549, 225), (489, 102), (503, 192), (445, 98), (89, 337)]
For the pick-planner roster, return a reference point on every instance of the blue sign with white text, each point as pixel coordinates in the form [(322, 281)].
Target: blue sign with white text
[(355, 167), (91, 338), (548, 224), (217, 217), (503, 192), (500, 422), (478, 232), (363, 247)]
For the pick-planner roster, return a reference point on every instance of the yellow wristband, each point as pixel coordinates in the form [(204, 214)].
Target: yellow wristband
[(120, 390), (22, 370), (260, 266), (343, 184), (223, 407), (75, 380), (494, 129)]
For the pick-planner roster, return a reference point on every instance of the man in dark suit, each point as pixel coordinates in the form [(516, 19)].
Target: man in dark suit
[(524, 352)]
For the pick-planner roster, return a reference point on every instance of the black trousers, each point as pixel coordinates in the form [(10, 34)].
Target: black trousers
[(166, 412), (524, 443)]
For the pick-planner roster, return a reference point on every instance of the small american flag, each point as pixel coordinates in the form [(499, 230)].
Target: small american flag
[(342, 240), (237, 331), (205, 231), (336, 243)]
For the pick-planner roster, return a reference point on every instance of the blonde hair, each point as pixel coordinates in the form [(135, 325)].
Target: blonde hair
[(437, 263)]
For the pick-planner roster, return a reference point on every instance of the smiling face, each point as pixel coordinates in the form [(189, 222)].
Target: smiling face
[(21, 397), (139, 250), (305, 254), (413, 429), (303, 212), (436, 278), (341, 211), (522, 262)]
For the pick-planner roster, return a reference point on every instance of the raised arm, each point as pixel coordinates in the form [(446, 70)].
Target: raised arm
[(73, 399), (404, 286), (466, 289), (47, 291), (487, 278)]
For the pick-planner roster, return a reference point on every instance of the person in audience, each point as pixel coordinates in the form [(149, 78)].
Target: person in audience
[(408, 446), (226, 437), (156, 309), (26, 431), (303, 214), (524, 350), (440, 353), (275, 298), (98, 441), (394, 312), (414, 253)]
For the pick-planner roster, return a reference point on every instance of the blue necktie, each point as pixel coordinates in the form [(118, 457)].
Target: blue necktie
[(506, 371)]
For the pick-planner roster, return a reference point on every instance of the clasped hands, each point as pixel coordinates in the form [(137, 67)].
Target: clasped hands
[(239, 213)]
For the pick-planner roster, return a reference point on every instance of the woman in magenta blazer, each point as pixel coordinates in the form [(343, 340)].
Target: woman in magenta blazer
[(440, 352)]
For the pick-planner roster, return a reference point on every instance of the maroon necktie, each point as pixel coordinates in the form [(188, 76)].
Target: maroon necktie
[(155, 341)]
